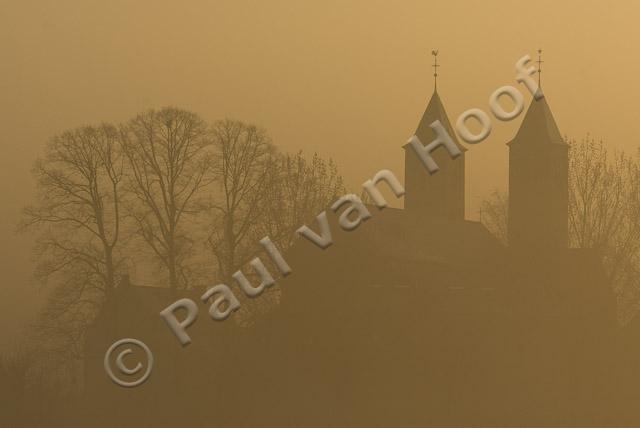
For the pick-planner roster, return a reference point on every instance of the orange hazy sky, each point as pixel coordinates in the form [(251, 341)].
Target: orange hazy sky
[(347, 79)]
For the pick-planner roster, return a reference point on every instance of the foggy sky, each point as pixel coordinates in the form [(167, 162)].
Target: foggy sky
[(349, 80)]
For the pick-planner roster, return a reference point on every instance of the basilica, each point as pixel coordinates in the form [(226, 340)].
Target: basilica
[(418, 317)]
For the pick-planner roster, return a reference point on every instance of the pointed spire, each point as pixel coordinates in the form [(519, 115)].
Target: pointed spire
[(538, 126), (435, 111), (435, 69), (540, 61)]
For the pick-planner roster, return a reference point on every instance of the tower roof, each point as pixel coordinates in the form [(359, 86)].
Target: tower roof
[(435, 111), (538, 126)]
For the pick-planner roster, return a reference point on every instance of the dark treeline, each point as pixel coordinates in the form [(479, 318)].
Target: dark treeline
[(178, 201)]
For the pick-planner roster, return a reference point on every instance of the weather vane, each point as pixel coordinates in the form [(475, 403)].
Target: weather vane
[(435, 68), (540, 61)]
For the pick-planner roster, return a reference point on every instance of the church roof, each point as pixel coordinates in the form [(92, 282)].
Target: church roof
[(435, 111), (397, 247), (538, 125)]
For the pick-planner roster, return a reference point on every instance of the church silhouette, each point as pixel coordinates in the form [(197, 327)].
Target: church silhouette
[(417, 318)]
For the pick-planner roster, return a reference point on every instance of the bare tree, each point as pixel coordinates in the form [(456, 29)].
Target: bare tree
[(77, 217), (258, 193), (244, 164), (301, 189), (169, 166), (262, 193), (494, 215), (597, 190), (604, 214), (78, 209)]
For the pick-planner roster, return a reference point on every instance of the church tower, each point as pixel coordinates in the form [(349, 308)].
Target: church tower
[(441, 195), (538, 183)]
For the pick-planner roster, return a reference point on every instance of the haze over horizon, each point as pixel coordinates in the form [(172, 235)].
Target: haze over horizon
[(347, 80)]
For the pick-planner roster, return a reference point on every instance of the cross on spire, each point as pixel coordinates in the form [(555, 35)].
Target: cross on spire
[(540, 61), (435, 68)]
